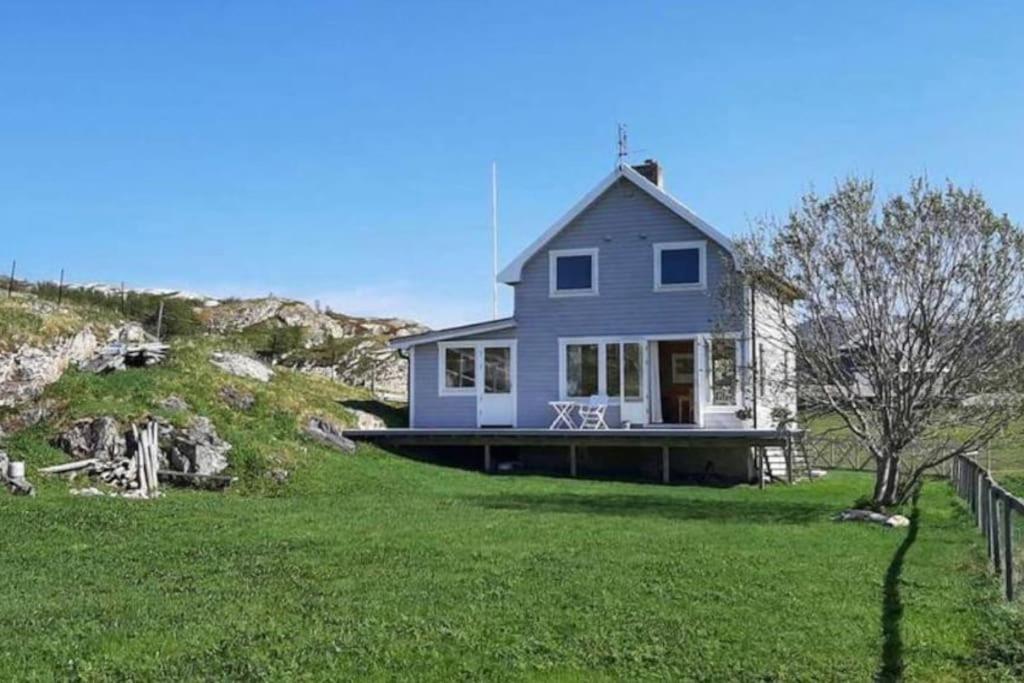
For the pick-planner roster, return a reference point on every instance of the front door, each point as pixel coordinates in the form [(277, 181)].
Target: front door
[(496, 396)]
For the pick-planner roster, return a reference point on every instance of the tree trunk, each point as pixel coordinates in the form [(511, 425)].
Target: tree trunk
[(887, 479)]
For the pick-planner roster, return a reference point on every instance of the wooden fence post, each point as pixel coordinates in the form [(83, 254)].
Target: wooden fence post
[(160, 319), (789, 461), (1008, 549), (994, 526), (10, 283), (60, 288)]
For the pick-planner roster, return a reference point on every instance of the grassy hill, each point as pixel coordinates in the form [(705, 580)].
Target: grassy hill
[(264, 436)]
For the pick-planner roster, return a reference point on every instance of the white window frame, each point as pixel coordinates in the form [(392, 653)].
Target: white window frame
[(709, 391), (442, 351), (702, 248), (553, 257), (602, 367)]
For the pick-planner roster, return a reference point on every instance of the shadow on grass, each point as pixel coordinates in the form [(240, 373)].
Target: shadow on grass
[(892, 606), (665, 507)]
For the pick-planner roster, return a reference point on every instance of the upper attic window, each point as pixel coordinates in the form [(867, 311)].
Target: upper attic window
[(572, 272), (680, 266)]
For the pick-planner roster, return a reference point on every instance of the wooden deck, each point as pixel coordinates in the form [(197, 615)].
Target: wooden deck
[(572, 439), (678, 438)]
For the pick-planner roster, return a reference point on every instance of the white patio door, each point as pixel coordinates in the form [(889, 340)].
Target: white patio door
[(632, 397), (496, 394)]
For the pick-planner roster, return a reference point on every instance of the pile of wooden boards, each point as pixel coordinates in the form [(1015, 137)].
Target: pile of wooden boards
[(136, 473), (119, 355)]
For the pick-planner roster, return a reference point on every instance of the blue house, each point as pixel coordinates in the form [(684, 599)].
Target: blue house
[(625, 298)]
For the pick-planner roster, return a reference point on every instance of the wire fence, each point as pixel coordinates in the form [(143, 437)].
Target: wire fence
[(846, 453), (999, 516)]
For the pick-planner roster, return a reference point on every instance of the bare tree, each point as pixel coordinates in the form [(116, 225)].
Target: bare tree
[(909, 324)]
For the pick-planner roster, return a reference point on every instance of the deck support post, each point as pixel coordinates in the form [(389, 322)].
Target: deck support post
[(487, 457), (572, 460), (666, 475), (759, 454)]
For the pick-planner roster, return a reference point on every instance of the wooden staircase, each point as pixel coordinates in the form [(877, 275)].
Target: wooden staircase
[(774, 463)]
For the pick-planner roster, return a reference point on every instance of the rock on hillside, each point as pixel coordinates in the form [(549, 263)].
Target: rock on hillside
[(340, 347)]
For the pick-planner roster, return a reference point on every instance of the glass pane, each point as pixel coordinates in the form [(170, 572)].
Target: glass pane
[(574, 272), (611, 353), (581, 370), (498, 370), (632, 371), (460, 368), (723, 372), (680, 266)]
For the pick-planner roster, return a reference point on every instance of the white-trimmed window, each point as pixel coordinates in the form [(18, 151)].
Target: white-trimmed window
[(458, 369), (723, 368), (572, 272), (680, 266), (609, 367)]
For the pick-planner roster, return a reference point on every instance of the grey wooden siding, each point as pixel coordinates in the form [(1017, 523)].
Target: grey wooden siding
[(623, 224), (431, 409)]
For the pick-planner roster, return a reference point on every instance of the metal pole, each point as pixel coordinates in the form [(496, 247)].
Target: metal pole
[(494, 239), (60, 288), (10, 283)]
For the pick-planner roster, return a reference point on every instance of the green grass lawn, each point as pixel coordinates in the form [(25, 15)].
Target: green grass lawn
[(375, 566)]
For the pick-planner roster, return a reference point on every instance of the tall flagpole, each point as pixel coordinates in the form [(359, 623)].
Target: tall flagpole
[(494, 239)]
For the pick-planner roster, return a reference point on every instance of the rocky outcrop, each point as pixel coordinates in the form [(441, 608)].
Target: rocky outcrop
[(198, 449), (102, 438), (242, 366), (361, 359), (25, 373)]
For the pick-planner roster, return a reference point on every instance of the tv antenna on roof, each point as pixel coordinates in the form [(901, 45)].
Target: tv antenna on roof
[(623, 143)]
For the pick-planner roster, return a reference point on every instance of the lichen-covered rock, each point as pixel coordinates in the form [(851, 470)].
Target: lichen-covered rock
[(237, 399), (174, 403), (365, 420), (329, 434), (100, 437), (241, 366), (198, 449)]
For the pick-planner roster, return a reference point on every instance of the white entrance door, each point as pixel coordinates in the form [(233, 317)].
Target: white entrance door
[(496, 395), (632, 397)]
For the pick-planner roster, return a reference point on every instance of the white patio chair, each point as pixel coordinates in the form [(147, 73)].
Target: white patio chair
[(592, 413)]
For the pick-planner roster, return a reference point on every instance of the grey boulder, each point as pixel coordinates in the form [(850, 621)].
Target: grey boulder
[(198, 449)]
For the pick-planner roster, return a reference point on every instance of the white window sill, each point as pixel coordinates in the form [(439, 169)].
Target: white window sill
[(566, 293), (695, 287)]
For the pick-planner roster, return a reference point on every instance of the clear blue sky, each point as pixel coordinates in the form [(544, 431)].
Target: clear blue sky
[(342, 151)]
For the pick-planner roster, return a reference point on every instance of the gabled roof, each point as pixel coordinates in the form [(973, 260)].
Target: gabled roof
[(452, 333), (513, 271)]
